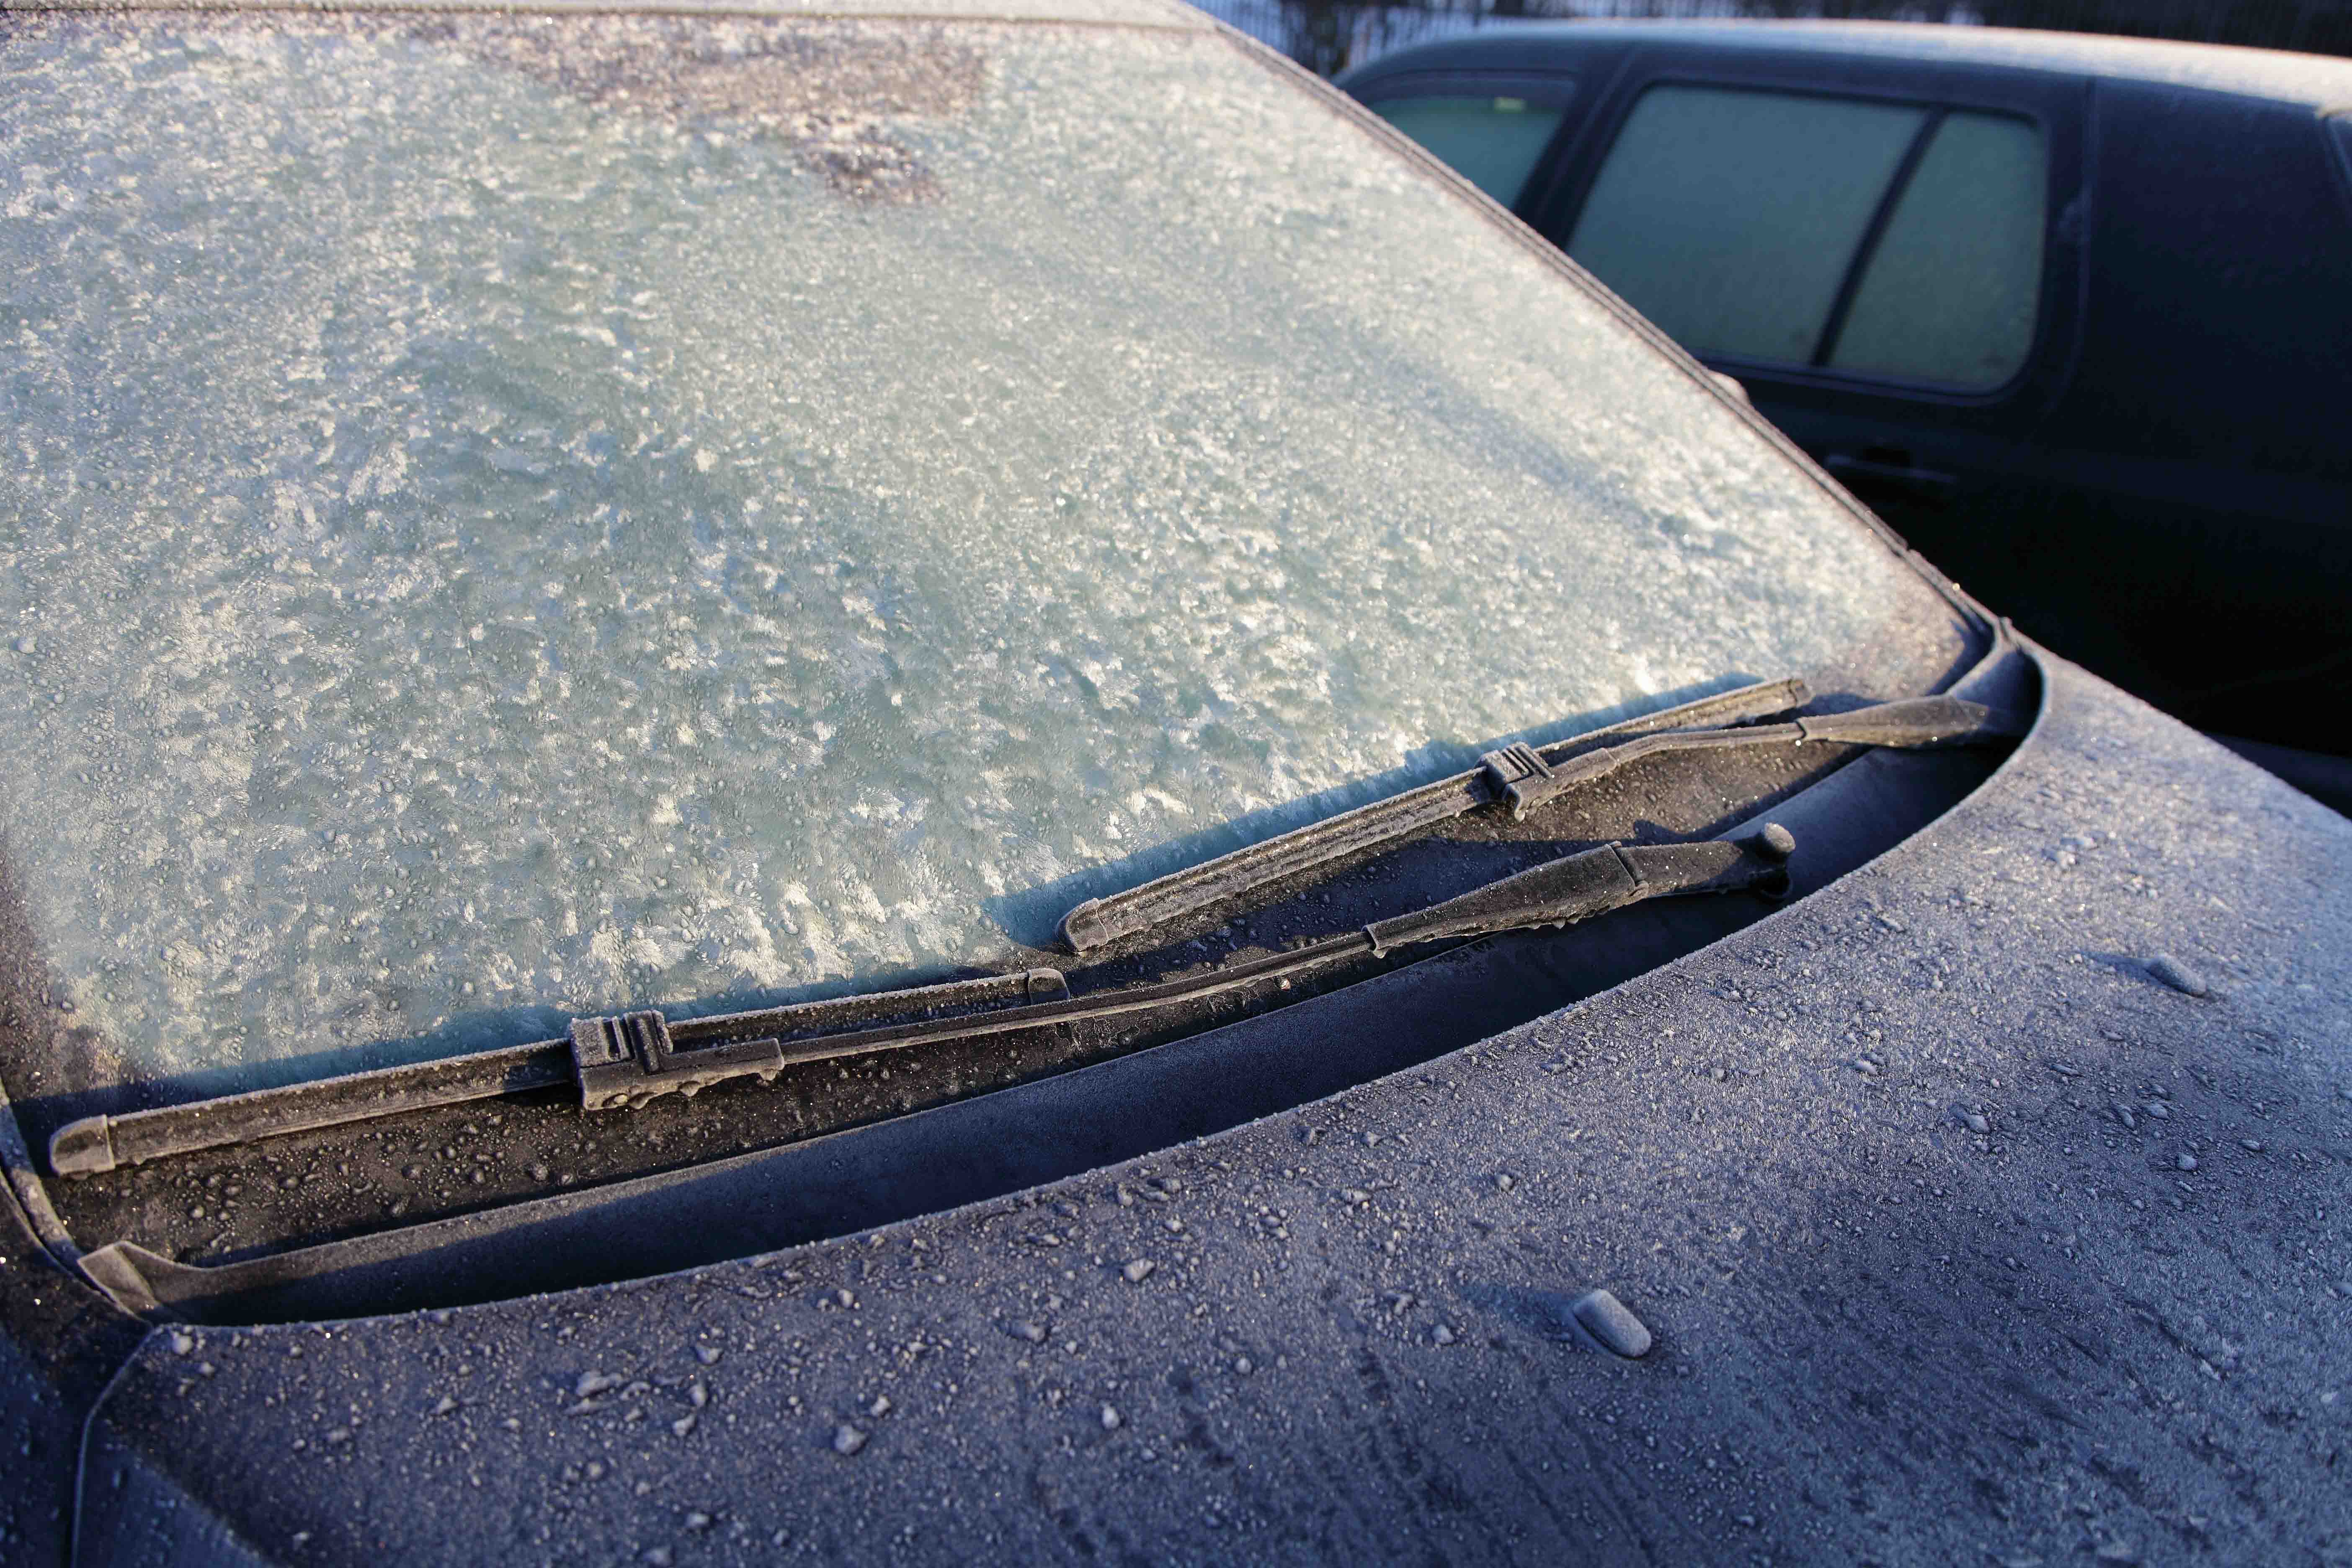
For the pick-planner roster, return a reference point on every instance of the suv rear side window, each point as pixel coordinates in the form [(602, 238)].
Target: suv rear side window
[(1492, 141), (1728, 217), (1890, 239), (1949, 293)]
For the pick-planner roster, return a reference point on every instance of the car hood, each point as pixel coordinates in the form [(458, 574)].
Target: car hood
[(1342, 1333)]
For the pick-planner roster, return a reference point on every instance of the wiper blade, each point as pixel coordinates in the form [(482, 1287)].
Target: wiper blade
[(1099, 922), (1911, 722), (686, 1056), (1519, 777), (629, 1060)]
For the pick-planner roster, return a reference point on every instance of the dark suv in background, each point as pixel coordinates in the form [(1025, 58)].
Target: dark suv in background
[(2074, 314)]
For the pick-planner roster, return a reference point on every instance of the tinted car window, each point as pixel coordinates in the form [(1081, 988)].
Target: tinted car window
[(1491, 142), (1729, 216), (1950, 291), (505, 519)]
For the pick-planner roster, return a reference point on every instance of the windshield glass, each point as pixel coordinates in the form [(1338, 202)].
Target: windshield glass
[(504, 516)]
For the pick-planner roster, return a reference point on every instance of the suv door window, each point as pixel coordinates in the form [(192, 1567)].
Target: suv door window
[(1950, 292), (1728, 215), (1492, 141), (1897, 240)]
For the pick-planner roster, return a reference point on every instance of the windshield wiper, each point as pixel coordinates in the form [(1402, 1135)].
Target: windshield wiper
[(631, 1058), (1099, 922), (634, 1058), (1518, 777)]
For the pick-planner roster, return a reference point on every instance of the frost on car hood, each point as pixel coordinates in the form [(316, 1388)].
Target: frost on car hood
[(506, 517)]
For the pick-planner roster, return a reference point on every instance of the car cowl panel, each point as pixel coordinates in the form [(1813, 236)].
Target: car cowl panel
[(1926, 1278)]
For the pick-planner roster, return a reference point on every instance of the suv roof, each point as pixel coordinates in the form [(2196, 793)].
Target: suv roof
[(2321, 82)]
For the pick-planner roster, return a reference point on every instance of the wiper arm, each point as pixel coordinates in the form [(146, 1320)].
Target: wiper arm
[(1519, 777), (636, 1057), (1578, 886)]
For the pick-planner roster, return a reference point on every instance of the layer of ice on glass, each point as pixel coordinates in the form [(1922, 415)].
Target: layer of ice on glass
[(503, 518)]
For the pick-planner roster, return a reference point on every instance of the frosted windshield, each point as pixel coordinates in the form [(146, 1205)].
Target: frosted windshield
[(503, 518)]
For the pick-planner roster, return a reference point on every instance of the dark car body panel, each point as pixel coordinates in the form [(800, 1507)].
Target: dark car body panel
[(1880, 1334), (2173, 449)]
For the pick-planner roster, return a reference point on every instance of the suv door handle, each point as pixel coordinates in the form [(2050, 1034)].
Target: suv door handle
[(1889, 471)]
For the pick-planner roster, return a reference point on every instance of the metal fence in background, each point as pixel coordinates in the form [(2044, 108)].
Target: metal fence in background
[(1328, 36)]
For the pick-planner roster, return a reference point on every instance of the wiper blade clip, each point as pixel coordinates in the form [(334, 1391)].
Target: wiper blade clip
[(627, 1060)]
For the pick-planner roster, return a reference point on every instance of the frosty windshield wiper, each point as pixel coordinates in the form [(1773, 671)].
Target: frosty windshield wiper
[(629, 1060), (1519, 777)]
